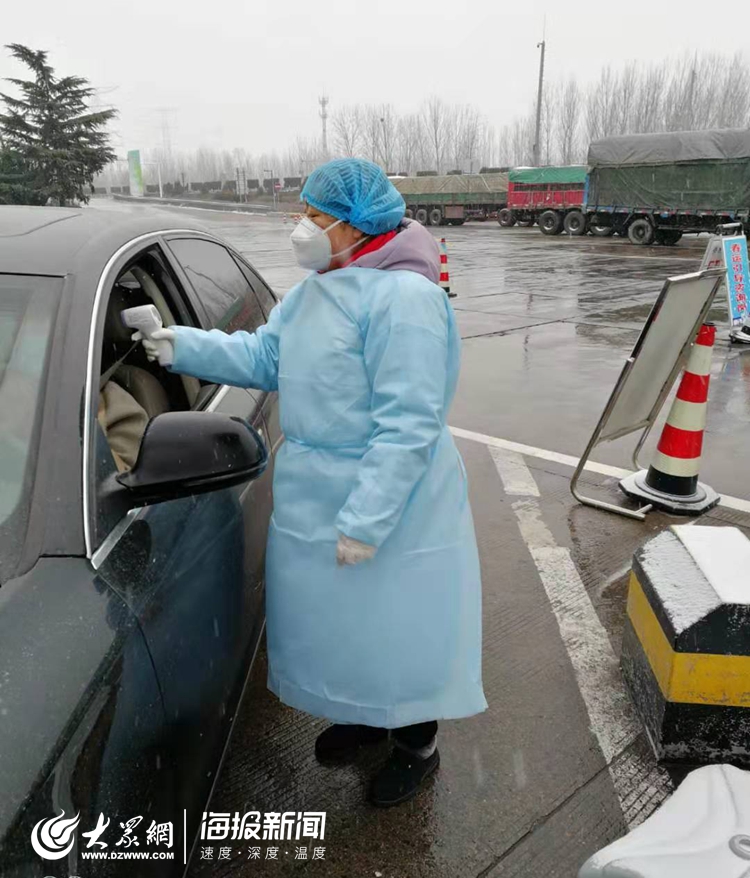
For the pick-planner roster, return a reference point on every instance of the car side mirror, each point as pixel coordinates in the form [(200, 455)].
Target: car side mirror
[(184, 453)]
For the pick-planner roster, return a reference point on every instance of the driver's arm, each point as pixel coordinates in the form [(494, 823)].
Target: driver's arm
[(123, 421)]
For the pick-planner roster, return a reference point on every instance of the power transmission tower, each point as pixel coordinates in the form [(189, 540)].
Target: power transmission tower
[(323, 101), (540, 92)]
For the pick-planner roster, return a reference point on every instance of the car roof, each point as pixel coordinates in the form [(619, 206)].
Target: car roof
[(54, 240)]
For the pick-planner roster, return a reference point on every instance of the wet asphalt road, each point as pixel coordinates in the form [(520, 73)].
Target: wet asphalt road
[(547, 325), (523, 789)]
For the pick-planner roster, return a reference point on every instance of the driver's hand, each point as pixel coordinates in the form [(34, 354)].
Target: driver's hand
[(159, 347)]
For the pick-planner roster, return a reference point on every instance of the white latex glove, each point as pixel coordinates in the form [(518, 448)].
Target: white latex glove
[(349, 551), (163, 351)]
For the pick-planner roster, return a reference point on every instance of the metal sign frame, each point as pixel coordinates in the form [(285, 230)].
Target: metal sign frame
[(715, 274)]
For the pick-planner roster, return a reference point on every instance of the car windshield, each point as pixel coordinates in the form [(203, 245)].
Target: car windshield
[(27, 311)]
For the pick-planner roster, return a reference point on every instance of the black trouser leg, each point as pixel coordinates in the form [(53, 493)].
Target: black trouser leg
[(416, 736)]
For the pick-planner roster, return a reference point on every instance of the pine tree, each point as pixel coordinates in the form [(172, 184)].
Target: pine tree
[(51, 144), (16, 181)]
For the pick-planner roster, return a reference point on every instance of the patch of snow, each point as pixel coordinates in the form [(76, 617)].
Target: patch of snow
[(675, 576), (723, 555)]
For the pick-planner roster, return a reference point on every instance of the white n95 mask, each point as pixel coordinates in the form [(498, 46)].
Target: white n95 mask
[(312, 246)]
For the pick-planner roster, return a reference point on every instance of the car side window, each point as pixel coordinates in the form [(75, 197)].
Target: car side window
[(264, 294), (223, 290), (133, 390)]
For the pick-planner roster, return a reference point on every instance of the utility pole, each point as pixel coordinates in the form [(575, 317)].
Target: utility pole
[(166, 135), (323, 101), (273, 185), (538, 134)]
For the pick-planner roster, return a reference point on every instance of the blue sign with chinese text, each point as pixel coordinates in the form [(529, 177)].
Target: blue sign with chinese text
[(738, 278)]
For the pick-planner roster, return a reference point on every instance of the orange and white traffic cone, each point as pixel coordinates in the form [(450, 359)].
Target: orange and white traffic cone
[(444, 278), (671, 482)]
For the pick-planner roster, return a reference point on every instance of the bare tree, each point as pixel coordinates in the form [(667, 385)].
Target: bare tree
[(626, 95), (206, 164), (522, 140), (733, 108), (347, 130), (648, 113), (550, 109), (388, 133), (488, 147), (568, 122), (472, 126), (434, 118), (372, 132), (602, 106), (408, 143)]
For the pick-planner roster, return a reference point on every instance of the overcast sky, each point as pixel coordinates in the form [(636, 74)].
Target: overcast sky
[(248, 73)]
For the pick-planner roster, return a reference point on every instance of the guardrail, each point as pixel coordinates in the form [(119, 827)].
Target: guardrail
[(205, 205)]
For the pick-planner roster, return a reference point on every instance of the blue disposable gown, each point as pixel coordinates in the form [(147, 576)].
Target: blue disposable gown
[(366, 363)]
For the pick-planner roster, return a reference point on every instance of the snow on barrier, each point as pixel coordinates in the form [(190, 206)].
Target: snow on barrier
[(686, 644)]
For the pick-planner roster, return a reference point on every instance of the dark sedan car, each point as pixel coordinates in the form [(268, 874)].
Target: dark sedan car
[(134, 507)]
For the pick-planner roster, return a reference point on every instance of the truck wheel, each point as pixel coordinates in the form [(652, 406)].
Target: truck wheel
[(575, 223), (600, 230), (667, 237), (436, 217), (641, 231), (550, 223), (421, 216), (505, 218), (409, 213), (525, 222)]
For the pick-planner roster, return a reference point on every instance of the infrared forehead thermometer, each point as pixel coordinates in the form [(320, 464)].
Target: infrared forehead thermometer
[(146, 319)]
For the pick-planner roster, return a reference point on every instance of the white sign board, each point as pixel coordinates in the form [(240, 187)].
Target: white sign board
[(652, 368), (660, 352)]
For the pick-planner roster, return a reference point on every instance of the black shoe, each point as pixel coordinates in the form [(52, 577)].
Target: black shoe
[(342, 741), (401, 777)]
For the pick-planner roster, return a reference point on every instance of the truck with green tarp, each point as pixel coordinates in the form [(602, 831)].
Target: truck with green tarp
[(656, 187), (551, 197), (451, 199)]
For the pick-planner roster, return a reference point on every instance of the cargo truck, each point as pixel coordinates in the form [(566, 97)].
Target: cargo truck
[(453, 198), (656, 187), (551, 197)]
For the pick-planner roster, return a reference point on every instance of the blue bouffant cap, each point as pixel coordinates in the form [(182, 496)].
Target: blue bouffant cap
[(357, 192)]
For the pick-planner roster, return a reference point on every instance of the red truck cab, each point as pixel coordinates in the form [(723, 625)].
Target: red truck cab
[(552, 197)]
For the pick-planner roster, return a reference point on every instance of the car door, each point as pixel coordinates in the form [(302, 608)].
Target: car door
[(80, 710), (222, 293), (191, 570), (268, 301)]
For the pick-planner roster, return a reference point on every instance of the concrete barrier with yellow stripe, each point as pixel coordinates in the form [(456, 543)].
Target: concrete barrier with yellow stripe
[(686, 646)]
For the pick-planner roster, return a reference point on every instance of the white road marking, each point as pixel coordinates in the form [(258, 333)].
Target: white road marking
[(519, 770), (611, 714), (514, 473), (612, 717), (602, 469)]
